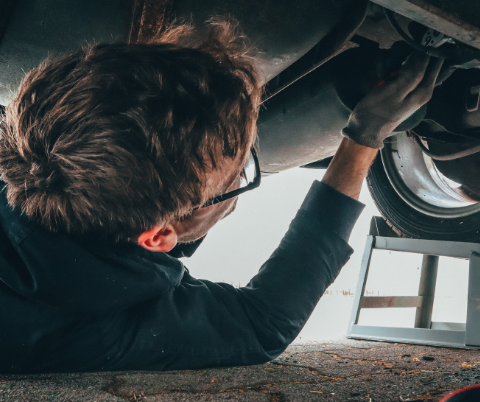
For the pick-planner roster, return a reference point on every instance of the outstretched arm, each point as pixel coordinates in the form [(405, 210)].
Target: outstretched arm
[(197, 323)]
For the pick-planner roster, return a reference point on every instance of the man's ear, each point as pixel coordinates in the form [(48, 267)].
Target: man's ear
[(160, 238)]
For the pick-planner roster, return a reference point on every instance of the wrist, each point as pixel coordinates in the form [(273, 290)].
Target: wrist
[(349, 167), (364, 136)]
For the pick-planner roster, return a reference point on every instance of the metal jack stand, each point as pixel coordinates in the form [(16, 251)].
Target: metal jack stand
[(426, 332)]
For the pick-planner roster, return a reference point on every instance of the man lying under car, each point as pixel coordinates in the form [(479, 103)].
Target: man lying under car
[(113, 156)]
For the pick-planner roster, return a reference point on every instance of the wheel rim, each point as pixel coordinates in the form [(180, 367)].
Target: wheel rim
[(416, 180)]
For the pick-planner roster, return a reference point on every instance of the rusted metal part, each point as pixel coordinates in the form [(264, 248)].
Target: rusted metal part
[(277, 45), (150, 17), (391, 301), (438, 14)]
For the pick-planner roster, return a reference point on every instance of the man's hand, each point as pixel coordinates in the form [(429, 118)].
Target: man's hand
[(385, 107)]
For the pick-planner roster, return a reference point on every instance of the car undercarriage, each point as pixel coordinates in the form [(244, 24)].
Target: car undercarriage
[(317, 60)]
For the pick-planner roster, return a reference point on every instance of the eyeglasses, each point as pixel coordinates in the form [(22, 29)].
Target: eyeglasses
[(249, 179)]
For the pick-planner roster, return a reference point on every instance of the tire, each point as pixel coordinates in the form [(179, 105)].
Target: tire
[(408, 214)]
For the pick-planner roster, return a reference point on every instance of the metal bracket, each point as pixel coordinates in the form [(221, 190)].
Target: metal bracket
[(433, 38), (473, 98)]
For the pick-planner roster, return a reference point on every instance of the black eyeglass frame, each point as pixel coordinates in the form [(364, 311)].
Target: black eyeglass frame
[(254, 184)]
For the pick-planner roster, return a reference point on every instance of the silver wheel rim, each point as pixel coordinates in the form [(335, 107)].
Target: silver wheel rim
[(416, 180)]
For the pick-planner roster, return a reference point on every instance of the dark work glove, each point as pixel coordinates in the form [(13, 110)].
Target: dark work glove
[(384, 108)]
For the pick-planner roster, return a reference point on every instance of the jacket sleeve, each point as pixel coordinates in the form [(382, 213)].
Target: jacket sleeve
[(204, 324)]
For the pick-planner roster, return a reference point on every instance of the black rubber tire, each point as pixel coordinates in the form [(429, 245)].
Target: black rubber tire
[(408, 222), (467, 394)]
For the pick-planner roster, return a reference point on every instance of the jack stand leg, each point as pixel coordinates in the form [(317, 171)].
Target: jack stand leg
[(428, 281), (362, 282), (472, 333)]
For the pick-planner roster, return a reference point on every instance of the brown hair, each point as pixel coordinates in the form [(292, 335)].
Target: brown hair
[(119, 138)]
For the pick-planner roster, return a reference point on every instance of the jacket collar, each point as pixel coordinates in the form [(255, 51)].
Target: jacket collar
[(76, 276)]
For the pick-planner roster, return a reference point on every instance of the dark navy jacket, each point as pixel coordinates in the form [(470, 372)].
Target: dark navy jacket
[(73, 305)]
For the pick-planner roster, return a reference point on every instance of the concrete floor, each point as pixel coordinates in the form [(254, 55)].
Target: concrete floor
[(344, 370)]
